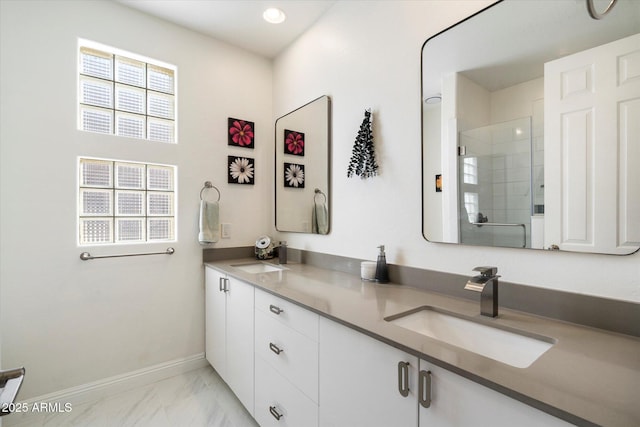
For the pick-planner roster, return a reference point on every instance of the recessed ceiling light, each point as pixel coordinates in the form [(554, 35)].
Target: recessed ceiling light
[(274, 15)]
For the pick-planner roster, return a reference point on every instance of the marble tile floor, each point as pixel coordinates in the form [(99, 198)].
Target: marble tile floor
[(198, 398)]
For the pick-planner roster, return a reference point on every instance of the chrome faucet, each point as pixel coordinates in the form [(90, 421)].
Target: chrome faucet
[(487, 284)]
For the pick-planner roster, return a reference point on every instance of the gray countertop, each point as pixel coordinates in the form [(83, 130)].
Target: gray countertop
[(589, 376)]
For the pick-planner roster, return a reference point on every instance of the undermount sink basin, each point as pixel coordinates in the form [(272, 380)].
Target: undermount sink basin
[(258, 267), (516, 348)]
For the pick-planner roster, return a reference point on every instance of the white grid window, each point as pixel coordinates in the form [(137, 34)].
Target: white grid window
[(472, 205), (470, 170), (125, 202), (125, 95)]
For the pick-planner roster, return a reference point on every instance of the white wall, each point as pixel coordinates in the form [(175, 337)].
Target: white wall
[(71, 322), (433, 200), (473, 104), (516, 101), (367, 54)]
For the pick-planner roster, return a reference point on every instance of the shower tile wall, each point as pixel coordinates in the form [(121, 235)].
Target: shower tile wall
[(511, 171)]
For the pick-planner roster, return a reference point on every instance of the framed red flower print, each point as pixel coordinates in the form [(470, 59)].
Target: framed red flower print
[(240, 133), (293, 142)]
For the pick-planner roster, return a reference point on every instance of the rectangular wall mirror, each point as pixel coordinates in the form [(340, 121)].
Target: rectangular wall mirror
[(303, 149), (530, 134)]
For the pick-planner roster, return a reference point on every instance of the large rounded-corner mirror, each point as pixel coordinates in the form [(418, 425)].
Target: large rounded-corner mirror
[(530, 134), (303, 149)]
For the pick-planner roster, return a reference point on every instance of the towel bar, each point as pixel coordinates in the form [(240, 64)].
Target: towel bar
[(87, 256), (499, 224)]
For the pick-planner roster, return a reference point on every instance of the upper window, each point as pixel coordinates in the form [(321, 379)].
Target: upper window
[(126, 95)]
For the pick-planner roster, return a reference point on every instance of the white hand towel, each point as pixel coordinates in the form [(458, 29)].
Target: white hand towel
[(209, 222), (320, 219)]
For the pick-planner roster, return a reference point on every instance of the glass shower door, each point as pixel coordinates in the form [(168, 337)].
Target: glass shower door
[(494, 179)]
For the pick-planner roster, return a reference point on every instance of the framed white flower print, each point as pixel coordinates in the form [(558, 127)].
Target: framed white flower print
[(293, 175), (241, 170)]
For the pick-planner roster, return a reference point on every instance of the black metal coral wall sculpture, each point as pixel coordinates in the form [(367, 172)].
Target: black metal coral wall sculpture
[(363, 157)]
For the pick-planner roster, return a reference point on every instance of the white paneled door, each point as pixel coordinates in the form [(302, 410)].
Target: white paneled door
[(592, 141)]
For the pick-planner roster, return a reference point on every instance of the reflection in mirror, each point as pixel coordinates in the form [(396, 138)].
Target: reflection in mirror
[(530, 133), (302, 168)]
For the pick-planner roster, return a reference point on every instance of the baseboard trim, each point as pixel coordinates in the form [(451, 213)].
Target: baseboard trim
[(111, 386)]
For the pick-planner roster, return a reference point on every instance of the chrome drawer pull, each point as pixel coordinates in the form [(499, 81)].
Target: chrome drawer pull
[(275, 413), (275, 348), (425, 388), (274, 309), (403, 378)]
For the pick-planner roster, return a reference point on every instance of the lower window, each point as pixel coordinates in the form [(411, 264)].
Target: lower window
[(125, 202)]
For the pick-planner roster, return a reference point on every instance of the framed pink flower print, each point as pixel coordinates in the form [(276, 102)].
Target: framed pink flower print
[(240, 133), (293, 142)]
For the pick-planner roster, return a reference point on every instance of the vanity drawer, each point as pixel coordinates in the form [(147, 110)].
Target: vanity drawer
[(290, 353), (277, 397), (290, 314)]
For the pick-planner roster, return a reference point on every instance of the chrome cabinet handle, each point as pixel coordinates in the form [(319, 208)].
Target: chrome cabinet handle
[(274, 309), (225, 288), (275, 413), (275, 348), (403, 378), (220, 285), (424, 384)]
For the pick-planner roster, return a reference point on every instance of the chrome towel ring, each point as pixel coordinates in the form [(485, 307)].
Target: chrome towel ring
[(597, 15), (317, 191), (207, 185)]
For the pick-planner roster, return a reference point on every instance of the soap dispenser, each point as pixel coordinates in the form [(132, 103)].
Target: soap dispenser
[(382, 272), (282, 253)]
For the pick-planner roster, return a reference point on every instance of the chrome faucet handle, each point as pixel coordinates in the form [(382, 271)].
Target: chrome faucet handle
[(487, 271)]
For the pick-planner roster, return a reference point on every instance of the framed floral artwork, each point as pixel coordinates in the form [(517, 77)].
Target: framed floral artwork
[(241, 170), (240, 133), (293, 142), (293, 175)]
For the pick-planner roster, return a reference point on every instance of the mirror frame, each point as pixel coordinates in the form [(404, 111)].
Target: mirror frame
[(427, 181), (278, 158)]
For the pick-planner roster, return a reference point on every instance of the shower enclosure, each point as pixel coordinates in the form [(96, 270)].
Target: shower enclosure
[(495, 184)]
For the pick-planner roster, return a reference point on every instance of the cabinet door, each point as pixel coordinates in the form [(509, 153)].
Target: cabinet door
[(457, 401), (359, 380), (215, 315), (240, 346)]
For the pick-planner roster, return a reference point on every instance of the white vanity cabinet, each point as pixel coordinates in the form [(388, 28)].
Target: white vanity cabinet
[(457, 401), (229, 332), (286, 346), (362, 380), (291, 367)]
